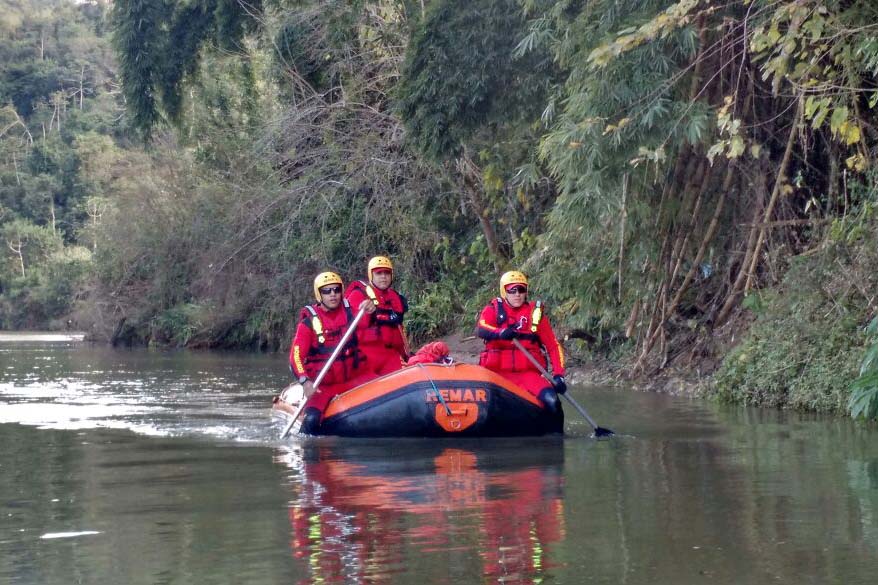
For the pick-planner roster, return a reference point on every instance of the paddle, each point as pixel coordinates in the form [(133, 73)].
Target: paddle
[(323, 372), (598, 431), (405, 342)]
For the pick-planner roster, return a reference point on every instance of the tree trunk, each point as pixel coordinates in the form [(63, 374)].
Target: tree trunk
[(778, 187), (81, 86), (472, 184), (702, 176), (757, 234), (671, 306), (622, 232), (17, 251), (705, 241), (15, 164)]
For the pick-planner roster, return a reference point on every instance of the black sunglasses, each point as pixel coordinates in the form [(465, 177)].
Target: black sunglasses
[(329, 290), (516, 290)]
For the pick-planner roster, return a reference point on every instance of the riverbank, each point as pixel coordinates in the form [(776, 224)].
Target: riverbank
[(747, 361), (600, 371)]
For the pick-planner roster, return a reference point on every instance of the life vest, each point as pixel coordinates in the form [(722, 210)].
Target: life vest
[(500, 354), (386, 321), (326, 339)]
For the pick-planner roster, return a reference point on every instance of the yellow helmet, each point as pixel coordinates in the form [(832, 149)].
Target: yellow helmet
[(511, 277), (325, 278), (379, 262)]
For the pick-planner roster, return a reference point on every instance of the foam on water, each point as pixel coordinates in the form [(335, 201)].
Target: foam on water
[(51, 535), (70, 387)]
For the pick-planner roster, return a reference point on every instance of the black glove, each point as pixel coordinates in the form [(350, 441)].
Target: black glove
[(508, 333), (389, 317), (560, 384)]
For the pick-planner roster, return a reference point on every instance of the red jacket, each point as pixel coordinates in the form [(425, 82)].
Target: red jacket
[(384, 326), (502, 354), (312, 348)]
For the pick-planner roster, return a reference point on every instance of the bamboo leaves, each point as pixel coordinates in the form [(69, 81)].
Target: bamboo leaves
[(674, 17), (733, 146), (817, 109), (814, 46)]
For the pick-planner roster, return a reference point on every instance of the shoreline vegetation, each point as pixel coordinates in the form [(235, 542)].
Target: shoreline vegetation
[(691, 185)]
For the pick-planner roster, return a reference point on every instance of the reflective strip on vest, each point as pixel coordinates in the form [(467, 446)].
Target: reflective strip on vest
[(316, 324), (370, 293), (535, 318)]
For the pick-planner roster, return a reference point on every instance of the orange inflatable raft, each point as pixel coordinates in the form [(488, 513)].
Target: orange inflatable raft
[(436, 400)]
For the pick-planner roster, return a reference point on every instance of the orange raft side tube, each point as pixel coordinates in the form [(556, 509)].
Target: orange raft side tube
[(434, 400)]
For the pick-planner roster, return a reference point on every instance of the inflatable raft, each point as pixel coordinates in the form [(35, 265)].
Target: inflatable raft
[(435, 400)]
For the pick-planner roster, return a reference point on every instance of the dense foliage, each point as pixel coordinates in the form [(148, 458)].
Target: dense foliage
[(665, 170), (59, 113), (699, 146)]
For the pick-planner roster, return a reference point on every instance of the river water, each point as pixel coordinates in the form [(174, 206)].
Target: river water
[(137, 466)]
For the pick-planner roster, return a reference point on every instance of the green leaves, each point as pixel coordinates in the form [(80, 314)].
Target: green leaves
[(159, 45), (467, 75), (659, 27), (817, 49), (864, 390), (735, 145), (839, 116), (137, 36)]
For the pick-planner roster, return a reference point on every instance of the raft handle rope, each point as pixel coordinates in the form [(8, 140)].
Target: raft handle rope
[(436, 390)]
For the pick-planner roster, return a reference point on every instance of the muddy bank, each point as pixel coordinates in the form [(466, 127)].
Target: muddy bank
[(599, 372)]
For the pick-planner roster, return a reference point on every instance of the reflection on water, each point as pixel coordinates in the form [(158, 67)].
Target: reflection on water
[(148, 467), (496, 509)]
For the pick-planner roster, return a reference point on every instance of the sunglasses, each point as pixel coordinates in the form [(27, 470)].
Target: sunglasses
[(517, 290), (330, 290)]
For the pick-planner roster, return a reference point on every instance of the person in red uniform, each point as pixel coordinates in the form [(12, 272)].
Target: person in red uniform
[(320, 329), (383, 339), (511, 316)]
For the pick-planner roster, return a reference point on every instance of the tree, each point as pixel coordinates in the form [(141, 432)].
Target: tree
[(463, 92), (57, 86), (680, 122), (159, 45), (27, 245)]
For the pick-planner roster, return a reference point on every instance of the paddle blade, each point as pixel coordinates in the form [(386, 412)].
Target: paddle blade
[(293, 420), (294, 395), (602, 432)]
